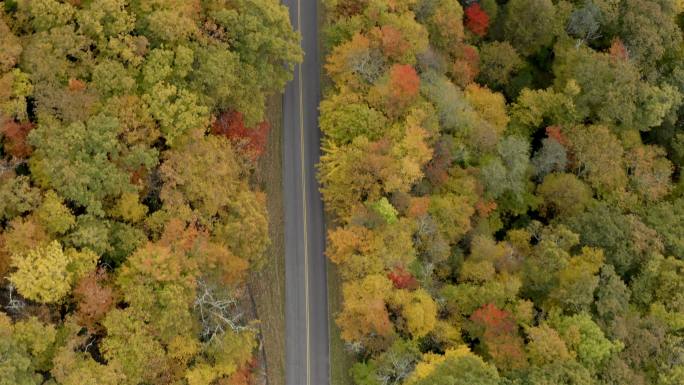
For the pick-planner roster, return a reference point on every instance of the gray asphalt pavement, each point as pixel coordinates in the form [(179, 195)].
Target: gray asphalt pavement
[(306, 300)]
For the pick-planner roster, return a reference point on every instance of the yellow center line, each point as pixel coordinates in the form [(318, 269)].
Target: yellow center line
[(304, 206)]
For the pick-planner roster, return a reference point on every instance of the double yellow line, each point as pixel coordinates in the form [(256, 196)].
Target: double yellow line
[(304, 204)]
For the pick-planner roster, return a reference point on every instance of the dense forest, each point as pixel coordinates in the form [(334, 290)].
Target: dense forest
[(128, 214), (505, 184)]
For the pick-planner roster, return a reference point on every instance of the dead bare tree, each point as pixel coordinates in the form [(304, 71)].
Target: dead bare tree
[(217, 313), (14, 304)]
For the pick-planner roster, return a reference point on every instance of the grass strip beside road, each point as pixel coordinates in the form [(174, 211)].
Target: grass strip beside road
[(340, 360), (267, 285)]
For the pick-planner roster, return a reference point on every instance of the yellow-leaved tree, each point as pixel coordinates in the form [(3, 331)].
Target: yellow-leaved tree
[(46, 273)]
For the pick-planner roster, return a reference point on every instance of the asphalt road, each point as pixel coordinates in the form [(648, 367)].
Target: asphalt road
[(306, 299)]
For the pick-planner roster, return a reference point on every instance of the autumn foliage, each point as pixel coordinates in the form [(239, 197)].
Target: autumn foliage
[(243, 376), (349, 8), (404, 83), (94, 298), (130, 216), (402, 279), (477, 20), (497, 331), (466, 66), (489, 320), (437, 170), (484, 208), (76, 85), (555, 133), (250, 140), (418, 207), (618, 50), (15, 138), (393, 42), (471, 150)]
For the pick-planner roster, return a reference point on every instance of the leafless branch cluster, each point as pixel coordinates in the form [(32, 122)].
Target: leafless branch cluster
[(370, 66), (14, 304), (9, 164), (401, 365), (216, 313), (354, 347)]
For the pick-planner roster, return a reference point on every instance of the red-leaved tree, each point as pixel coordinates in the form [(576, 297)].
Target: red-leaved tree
[(498, 334), (402, 279), (15, 138), (437, 169), (249, 141), (555, 133), (477, 20), (466, 65)]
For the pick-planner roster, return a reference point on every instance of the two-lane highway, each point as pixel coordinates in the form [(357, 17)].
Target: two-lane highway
[(306, 300)]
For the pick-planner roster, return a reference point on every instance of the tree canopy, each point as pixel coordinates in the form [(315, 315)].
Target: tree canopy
[(130, 216), (532, 187)]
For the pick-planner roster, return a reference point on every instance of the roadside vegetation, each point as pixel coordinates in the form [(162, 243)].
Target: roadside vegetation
[(129, 214), (504, 178)]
